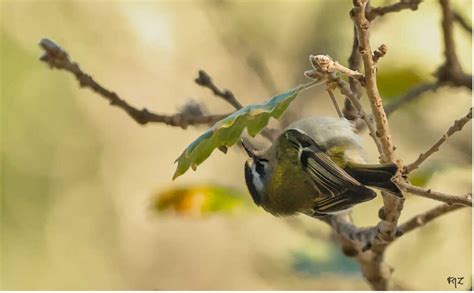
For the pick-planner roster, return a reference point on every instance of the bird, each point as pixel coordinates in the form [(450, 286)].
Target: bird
[(317, 166)]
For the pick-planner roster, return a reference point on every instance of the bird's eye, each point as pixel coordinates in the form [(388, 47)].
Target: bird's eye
[(260, 166)]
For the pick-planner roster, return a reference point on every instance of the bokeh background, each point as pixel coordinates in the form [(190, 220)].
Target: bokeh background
[(87, 199)]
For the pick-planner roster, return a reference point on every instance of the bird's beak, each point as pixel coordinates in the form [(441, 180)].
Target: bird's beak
[(247, 149)]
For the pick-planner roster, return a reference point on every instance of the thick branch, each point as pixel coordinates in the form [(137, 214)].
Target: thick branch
[(383, 132), (457, 126), (364, 245), (465, 200), (422, 219), (373, 12), (56, 57)]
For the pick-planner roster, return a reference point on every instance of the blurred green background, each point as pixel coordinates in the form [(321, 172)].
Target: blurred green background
[(87, 199)]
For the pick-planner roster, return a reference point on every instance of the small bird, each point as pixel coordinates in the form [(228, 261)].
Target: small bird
[(317, 166)]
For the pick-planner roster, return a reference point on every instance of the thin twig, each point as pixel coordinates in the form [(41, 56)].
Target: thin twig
[(451, 71), (346, 91), (56, 57), (410, 96), (373, 12), (465, 200), (428, 216), (457, 126), (354, 61), (462, 22), (334, 101), (205, 80)]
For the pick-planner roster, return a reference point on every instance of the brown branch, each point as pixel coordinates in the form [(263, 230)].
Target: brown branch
[(56, 57), (426, 217), (373, 12), (451, 71), (325, 68), (379, 53), (364, 244), (457, 126), (465, 200), (205, 80), (349, 111), (462, 22), (383, 132), (346, 91), (375, 270), (334, 101), (410, 96), (326, 64)]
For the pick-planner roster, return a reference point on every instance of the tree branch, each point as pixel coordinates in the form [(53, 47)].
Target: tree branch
[(428, 216), (354, 61), (465, 200), (462, 22), (334, 101), (457, 126), (58, 58), (451, 71), (325, 68), (411, 95), (205, 80), (373, 12), (383, 132)]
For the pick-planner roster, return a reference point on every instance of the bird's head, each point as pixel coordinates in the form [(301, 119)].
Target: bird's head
[(257, 174)]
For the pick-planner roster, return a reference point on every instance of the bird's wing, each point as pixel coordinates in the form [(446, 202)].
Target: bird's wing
[(337, 189)]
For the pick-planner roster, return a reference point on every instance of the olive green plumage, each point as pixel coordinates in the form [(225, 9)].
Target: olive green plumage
[(316, 167)]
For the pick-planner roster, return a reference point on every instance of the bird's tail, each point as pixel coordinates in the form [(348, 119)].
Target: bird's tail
[(378, 176)]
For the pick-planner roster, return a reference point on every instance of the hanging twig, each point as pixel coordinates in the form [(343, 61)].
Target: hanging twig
[(334, 101)]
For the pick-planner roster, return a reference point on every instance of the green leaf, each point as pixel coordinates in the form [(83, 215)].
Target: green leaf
[(227, 131)]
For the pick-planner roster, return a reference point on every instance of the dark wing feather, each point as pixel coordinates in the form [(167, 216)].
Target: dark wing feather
[(337, 189)]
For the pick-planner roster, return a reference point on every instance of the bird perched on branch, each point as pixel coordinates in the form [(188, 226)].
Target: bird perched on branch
[(317, 166)]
